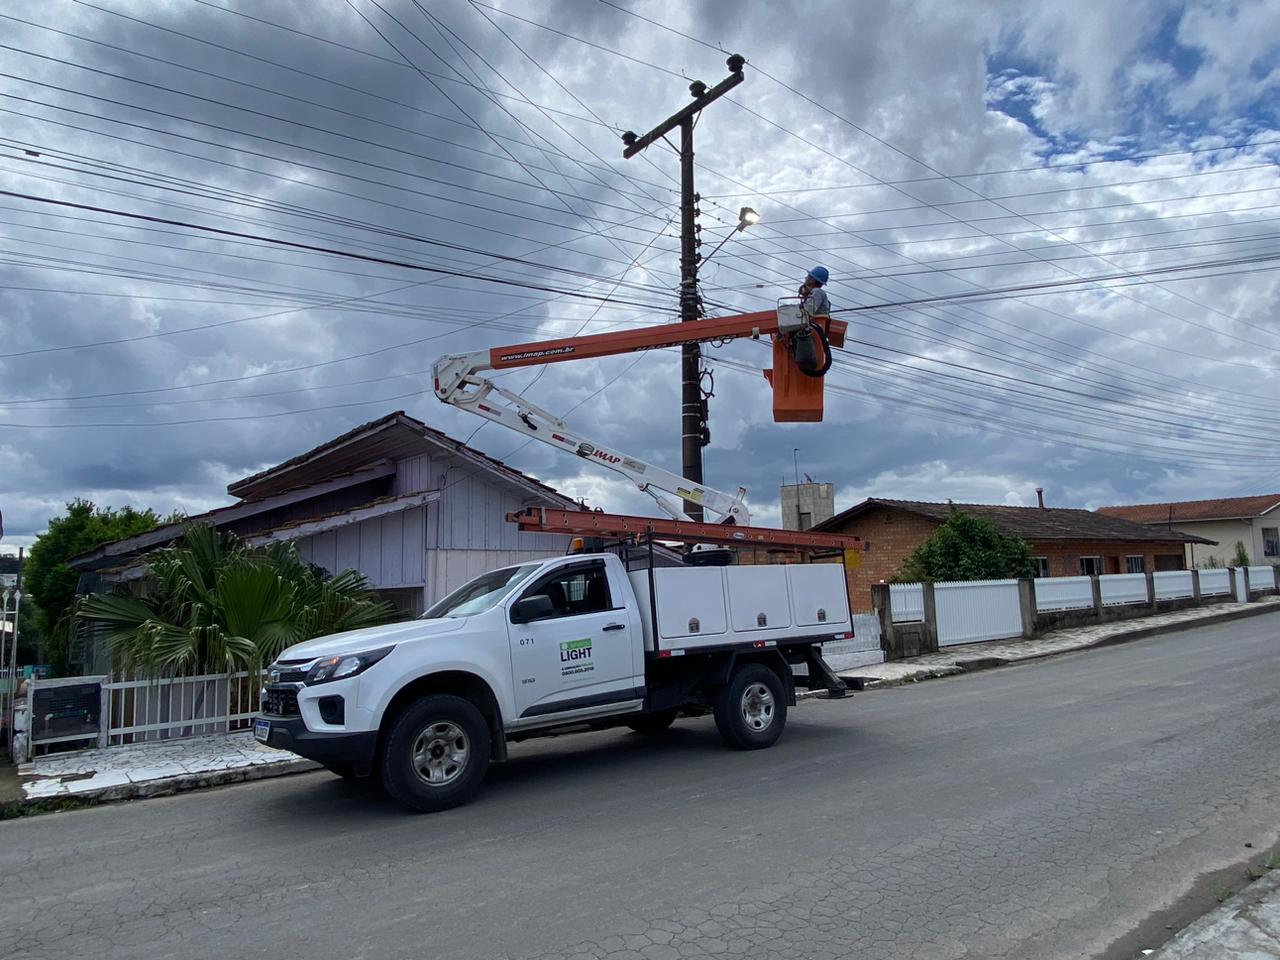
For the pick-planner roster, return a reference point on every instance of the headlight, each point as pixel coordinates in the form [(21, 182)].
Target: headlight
[(344, 665)]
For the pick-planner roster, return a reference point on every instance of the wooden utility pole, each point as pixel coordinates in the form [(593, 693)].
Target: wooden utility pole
[(693, 408)]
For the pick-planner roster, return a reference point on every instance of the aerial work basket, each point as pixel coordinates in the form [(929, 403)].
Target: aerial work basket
[(797, 396)]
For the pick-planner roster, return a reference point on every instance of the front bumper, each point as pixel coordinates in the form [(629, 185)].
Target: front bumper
[(349, 751)]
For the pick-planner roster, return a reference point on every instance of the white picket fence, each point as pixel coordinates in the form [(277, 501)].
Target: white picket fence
[(1173, 584), (971, 611), (1261, 578), (1215, 582), (1063, 593), (907, 602), (967, 610), (1119, 588), (174, 707)]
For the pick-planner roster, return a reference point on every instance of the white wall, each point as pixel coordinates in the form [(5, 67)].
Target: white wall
[(1227, 532), (389, 550), (467, 531)]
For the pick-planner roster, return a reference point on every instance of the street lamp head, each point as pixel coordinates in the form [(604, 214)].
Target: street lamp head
[(747, 217)]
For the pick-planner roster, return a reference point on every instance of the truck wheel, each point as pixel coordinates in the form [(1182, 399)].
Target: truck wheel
[(652, 724), (436, 753), (751, 709)]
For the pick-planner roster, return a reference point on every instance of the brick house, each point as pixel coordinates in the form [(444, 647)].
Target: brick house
[(1065, 542), (1251, 521)]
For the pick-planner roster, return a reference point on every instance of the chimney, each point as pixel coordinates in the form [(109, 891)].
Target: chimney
[(1040, 496)]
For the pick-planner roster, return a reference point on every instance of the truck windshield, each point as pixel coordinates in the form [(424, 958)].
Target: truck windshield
[(479, 594)]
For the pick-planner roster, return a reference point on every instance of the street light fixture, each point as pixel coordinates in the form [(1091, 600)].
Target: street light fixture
[(746, 218)]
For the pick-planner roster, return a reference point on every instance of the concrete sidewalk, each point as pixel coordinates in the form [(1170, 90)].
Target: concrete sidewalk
[(1246, 927), (153, 769), (979, 656)]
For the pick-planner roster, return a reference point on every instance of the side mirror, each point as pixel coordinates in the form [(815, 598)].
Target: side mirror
[(537, 607)]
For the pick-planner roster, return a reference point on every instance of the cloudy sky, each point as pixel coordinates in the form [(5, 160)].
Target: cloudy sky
[(1055, 228)]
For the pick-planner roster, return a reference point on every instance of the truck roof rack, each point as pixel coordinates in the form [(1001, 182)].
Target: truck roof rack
[(618, 526)]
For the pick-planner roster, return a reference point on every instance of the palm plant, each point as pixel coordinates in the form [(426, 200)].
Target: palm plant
[(213, 603)]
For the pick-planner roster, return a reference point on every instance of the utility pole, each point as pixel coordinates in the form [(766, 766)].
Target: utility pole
[(694, 434)]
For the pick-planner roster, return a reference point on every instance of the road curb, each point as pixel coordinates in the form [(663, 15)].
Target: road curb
[(1232, 930), (1139, 633), (161, 787), (988, 663)]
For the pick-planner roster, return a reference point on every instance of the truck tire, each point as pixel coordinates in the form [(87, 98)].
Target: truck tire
[(653, 724), (436, 753), (751, 709)]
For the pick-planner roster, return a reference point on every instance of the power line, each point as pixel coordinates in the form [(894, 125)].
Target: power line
[(277, 92), (385, 168), (1068, 165), (379, 351), (307, 213), (937, 172), (313, 248), (197, 420)]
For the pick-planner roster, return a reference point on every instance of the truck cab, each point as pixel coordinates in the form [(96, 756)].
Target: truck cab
[(572, 642)]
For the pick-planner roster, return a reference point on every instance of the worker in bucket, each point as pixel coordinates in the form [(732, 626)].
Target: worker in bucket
[(813, 299), (809, 345)]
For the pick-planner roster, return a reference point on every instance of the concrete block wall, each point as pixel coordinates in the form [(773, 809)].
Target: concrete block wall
[(815, 501)]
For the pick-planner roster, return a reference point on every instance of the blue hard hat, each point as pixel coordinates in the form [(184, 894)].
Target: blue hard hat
[(820, 274)]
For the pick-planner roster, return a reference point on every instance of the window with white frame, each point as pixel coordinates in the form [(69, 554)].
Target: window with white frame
[(1271, 542), (1135, 563), (1042, 566), (1091, 566)]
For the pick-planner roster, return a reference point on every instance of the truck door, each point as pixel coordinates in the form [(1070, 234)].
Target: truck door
[(581, 654)]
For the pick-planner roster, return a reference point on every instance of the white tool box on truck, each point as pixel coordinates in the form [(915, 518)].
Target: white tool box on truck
[(700, 608)]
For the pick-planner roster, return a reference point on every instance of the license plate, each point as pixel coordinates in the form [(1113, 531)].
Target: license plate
[(262, 730)]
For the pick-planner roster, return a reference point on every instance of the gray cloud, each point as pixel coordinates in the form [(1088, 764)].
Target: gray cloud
[(1087, 416)]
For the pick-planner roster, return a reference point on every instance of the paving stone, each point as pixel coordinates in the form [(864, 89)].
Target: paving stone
[(146, 769)]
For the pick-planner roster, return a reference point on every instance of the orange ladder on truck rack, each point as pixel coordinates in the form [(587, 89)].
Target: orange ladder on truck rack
[(620, 526)]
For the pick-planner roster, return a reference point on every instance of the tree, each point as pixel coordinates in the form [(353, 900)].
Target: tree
[(215, 604), (50, 584), (966, 547), (1242, 555)]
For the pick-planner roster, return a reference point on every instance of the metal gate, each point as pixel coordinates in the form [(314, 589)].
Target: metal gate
[(974, 610)]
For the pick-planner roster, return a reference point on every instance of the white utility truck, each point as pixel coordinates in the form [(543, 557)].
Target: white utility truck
[(585, 640), (572, 642)]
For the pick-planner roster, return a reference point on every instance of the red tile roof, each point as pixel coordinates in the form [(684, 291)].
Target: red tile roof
[(1035, 524), (1224, 508)]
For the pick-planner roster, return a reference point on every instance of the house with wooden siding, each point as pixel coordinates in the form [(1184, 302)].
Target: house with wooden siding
[(414, 510), (1064, 542)]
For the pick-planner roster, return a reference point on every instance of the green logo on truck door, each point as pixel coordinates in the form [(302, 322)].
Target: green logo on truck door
[(575, 657)]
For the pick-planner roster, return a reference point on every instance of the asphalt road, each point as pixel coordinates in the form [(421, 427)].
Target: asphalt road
[(1043, 810)]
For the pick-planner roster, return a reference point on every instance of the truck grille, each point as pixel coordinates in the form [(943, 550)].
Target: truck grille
[(280, 702), (289, 671)]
